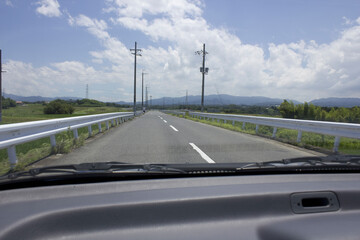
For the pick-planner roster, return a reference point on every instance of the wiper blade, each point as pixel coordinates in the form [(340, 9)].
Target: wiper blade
[(331, 160), (96, 168)]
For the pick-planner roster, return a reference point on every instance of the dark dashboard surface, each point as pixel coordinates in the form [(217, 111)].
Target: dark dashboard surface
[(302, 206)]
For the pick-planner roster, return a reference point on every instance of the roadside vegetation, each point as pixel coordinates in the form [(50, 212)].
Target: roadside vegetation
[(30, 152), (35, 111), (312, 112)]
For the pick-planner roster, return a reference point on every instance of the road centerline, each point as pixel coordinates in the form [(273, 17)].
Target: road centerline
[(174, 128), (202, 154), (165, 121)]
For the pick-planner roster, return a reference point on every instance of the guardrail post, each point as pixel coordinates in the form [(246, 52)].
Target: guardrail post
[(233, 122), (90, 130), (224, 121), (218, 120), (257, 129), (298, 140), (107, 125), (53, 141), (12, 156), (274, 132), (243, 126), (99, 125), (112, 122), (336, 144), (76, 135)]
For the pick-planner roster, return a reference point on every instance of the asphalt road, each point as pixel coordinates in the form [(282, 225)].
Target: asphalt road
[(160, 138)]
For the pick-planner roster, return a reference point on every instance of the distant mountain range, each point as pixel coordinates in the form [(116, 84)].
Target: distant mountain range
[(336, 102), (37, 98), (221, 99)]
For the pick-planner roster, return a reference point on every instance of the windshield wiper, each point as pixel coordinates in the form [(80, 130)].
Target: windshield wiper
[(313, 161), (335, 163), (96, 168)]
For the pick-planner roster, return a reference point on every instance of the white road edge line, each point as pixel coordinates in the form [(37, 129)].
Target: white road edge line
[(165, 121), (174, 128), (202, 154)]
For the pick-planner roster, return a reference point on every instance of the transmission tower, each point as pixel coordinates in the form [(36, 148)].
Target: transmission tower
[(87, 91)]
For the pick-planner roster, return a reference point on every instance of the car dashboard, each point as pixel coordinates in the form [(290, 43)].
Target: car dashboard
[(282, 206)]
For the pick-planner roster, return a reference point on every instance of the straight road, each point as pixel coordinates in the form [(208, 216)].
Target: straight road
[(160, 138)]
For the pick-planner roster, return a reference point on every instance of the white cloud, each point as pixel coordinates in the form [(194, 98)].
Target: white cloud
[(49, 8), (300, 70), (9, 3), (67, 78), (94, 26)]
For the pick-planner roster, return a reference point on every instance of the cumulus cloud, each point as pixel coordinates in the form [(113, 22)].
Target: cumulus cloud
[(298, 70), (49, 8), (301, 70), (67, 78)]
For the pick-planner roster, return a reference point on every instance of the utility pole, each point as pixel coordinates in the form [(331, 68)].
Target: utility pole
[(163, 102), (135, 53), (146, 97), (204, 71), (186, 99), (150, 102), (142, 89)]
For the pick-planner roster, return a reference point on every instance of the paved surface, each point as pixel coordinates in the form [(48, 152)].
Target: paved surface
[(159, 138)]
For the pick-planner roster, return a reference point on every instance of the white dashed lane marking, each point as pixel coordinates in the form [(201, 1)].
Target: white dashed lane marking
[(174, 128), (202, 154)]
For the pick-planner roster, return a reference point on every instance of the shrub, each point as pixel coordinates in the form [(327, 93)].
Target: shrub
[(58, 107)]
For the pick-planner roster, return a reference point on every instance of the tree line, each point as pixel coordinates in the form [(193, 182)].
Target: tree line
[(311, 112), (8, 103), (59, 106)]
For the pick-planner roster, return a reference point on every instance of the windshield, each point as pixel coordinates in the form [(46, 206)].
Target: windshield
[(177, 82)]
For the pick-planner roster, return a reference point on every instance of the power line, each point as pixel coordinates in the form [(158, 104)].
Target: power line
[(204, 71), (135, 53)]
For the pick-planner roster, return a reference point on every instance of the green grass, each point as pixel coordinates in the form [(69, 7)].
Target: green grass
[(34, 112), (30, 152), (309, 140)]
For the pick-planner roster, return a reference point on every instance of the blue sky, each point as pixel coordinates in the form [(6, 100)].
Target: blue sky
[(285, 49)]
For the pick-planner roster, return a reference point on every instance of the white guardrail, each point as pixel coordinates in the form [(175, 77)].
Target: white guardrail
[(336, 129), (17, 133)]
